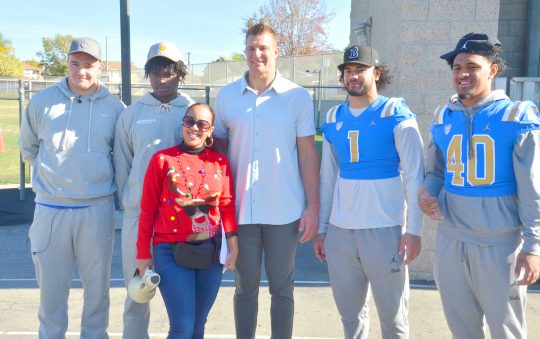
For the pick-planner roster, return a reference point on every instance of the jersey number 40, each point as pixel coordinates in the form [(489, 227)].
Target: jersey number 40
[(479, 170)]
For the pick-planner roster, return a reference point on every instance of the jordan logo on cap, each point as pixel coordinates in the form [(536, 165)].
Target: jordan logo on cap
[(353, 52), (464, 45)]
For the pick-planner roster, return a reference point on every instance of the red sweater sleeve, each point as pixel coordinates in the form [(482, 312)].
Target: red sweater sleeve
[(149, 206), (227, 207)]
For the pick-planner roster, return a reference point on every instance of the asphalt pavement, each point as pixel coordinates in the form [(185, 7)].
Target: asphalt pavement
[(316, 315)]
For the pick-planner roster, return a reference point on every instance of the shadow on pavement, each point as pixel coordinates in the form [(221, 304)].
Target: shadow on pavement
[(14, 211)]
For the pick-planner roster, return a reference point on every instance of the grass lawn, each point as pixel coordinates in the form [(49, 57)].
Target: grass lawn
[(318, 142), (9, 160)]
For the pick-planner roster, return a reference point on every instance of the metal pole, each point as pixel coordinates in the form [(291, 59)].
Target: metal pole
[(293, 68), (319, 98), (22, 167), (207, 94), (125, 51)]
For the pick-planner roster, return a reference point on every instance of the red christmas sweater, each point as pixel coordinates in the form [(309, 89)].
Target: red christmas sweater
[(185, 196)]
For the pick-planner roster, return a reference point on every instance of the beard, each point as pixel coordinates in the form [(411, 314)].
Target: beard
[(365, 88), (464, 96), (357, 92)]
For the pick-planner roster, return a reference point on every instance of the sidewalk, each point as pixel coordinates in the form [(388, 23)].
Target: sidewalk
[(315, 316)]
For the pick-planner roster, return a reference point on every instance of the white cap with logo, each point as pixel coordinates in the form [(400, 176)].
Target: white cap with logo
[(164, 49)]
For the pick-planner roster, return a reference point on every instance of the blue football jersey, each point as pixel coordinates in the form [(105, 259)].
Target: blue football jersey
[(365, 144), (479, 163)]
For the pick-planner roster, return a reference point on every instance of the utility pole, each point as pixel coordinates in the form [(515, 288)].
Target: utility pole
[(125, 51), (107, 55)]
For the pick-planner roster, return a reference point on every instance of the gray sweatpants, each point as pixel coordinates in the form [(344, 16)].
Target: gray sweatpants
[(478, 281), (278, 242), (363, 258), (62, 239), (136, 315)]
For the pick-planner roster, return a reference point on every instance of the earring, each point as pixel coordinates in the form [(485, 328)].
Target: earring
[(211, 141)]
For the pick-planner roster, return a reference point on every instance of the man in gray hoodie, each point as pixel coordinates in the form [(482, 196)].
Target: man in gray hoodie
[(481, 165), (67, 136), (151, 124)]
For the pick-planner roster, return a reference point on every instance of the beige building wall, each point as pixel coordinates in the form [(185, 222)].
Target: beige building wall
[(512, 34), (410, 35)]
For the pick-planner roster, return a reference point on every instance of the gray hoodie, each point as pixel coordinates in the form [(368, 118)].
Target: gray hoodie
[(500, 220), (68, 140), (145, 127)]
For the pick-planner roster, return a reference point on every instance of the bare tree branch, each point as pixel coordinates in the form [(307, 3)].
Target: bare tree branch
[(300, 25)]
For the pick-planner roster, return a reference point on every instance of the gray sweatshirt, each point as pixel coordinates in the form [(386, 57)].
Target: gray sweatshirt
[(145, 127), (499, 220), (68, 140)]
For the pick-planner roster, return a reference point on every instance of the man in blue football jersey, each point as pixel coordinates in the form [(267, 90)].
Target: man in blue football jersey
[(372, 163), (480, 165)]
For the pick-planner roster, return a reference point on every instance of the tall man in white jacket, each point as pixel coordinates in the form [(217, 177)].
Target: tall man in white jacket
[(65, 130), (372, 163), (145, 127)]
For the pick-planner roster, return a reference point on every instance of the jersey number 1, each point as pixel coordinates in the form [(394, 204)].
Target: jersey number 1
[(353, 145), (454, 162)]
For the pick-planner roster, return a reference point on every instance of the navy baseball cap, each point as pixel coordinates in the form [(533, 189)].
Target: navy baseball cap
[(362, 55), (474, 43)]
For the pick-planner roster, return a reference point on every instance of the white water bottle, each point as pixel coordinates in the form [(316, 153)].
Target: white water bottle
[(142, 289)]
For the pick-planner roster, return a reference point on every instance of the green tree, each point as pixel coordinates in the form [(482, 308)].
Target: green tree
[(32, 62), (11, 66), (233, 57), (5, 46), (53, 58), (300, 25), (237, 57)]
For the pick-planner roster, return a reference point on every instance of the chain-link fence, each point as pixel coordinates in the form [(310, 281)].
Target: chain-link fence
[(12, 169), (307, 70), (15, 94)]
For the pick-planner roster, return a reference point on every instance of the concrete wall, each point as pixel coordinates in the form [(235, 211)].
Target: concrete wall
[(410, 35), (512, 34)]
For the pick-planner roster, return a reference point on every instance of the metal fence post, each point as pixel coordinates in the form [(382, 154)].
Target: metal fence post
[(22, 167), (207, 94)]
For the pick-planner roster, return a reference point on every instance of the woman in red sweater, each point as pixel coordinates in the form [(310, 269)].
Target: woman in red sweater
[(187, 196)]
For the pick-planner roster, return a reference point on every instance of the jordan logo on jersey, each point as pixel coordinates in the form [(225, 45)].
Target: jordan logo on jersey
[(372, 123), (447, 129), (487, 128), (339, 124)]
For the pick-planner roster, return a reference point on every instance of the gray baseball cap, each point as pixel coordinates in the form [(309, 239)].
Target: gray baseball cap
[(362, 55), (86, 45)]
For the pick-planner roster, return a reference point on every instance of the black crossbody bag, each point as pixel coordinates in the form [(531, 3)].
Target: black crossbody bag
[(197, 254)]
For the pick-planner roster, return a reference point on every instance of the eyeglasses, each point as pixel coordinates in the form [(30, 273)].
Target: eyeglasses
[(202, 125)]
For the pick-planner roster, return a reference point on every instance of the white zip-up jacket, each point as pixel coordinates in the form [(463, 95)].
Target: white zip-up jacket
[(68, 140)]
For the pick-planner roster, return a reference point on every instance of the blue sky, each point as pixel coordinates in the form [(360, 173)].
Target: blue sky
[(205, 29)]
